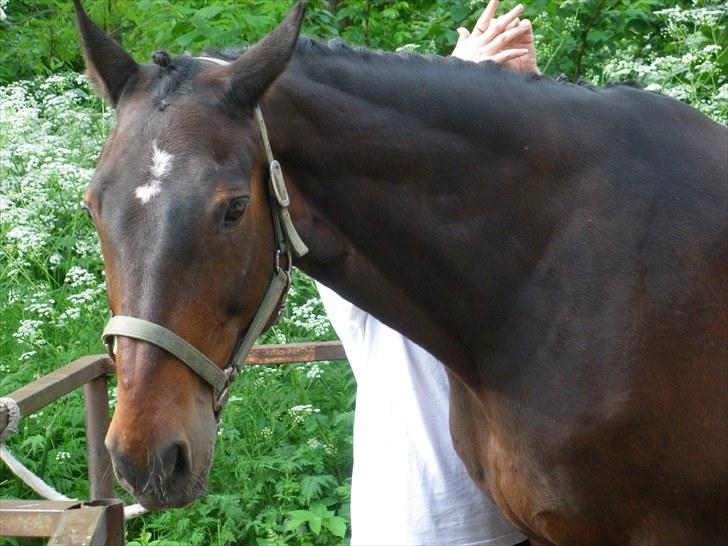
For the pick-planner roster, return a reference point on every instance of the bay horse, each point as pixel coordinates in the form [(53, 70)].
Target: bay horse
[(561, 249)]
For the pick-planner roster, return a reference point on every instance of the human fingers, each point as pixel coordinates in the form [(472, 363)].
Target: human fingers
[(463, 49), (505, 38), (525, 39), (514, 23), (485, 18), (501, 23), (508, 55), (527, 25)]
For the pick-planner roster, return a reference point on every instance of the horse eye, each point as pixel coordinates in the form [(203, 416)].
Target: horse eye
[(85, 208), (235, 211)]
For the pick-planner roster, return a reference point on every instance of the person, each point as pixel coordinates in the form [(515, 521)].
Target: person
[(408, 484)]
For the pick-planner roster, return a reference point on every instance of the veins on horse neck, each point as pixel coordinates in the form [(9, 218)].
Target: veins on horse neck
[(398, 187)]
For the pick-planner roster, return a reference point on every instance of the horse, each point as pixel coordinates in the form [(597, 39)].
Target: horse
[(560, 248)]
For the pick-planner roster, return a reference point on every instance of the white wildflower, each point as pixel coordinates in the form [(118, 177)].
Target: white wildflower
[(70, 314), (44, 309), (299, 413), (62, 456), (29, 332), (78, 277), (314, 371)]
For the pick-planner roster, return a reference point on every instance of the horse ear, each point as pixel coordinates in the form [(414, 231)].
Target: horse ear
[(260, 65), (108, 66)]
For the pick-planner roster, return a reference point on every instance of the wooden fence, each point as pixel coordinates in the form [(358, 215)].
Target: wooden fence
[(100, 521)]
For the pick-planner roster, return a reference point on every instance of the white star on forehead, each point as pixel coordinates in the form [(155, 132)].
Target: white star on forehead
[(161, 166)]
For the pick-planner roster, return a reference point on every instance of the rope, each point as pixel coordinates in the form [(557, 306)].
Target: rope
[(27, 476), (13, 417), (33, 481), (134, 511)]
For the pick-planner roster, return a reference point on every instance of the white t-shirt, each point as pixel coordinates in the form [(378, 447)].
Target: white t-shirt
[(408, 484)]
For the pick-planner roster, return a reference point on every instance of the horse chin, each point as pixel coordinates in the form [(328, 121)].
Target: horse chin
[(157, 495), (160, 500)]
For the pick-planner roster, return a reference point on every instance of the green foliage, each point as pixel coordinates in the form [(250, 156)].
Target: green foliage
[(664, 44), (318, 517), (677, 48), (691, 65)]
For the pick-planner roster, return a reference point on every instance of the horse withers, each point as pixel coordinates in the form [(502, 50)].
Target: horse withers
[(561, 249)]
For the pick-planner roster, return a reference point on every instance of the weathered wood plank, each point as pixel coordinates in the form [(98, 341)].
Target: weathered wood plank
[(58, 383), (96, 415), (51, 387), (296, 352), (84, 526)]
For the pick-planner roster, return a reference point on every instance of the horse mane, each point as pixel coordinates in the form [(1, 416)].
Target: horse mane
[(177, 76), (405, 61), (338, 48)]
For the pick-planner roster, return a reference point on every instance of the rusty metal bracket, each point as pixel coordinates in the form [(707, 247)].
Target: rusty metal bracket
[(96, 523)]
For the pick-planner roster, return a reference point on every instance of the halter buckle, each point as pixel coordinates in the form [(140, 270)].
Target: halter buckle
[(278, 184)]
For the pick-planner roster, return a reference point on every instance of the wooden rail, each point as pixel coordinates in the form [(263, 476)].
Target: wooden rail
[(101, 521), (49, 388), (296, 352)]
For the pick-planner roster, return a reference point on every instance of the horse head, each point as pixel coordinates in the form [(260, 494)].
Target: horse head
[(180, 202)]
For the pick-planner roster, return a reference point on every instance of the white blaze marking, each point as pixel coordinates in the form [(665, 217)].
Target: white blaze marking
[(161, 161), (147, 191), (161, 166)]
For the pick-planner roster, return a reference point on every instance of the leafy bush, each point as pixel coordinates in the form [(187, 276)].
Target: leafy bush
[(694, 68), (676, 47)]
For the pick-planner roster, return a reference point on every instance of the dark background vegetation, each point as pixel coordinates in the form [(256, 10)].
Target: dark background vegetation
[(574, 37)]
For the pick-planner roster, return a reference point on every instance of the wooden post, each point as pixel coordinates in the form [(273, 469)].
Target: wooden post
[(96, 413)]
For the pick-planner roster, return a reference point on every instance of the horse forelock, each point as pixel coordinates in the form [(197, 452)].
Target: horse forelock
[(173, 80)]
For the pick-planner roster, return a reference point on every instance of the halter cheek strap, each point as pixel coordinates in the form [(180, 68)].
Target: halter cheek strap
[(288, 243)]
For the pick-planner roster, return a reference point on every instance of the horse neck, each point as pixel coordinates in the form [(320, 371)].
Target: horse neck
[(405, 188)]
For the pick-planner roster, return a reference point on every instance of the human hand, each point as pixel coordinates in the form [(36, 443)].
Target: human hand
[(506, 40)]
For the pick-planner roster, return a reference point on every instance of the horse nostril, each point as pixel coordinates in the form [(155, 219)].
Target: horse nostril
[(129, 474), (176, 462)]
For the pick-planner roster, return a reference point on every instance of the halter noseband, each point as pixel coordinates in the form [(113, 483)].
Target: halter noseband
[(288, 243)]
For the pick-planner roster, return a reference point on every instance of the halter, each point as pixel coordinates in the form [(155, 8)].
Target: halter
[(288, 243)]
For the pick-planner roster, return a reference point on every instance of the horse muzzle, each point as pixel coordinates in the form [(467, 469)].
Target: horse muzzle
[(165, 478)]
